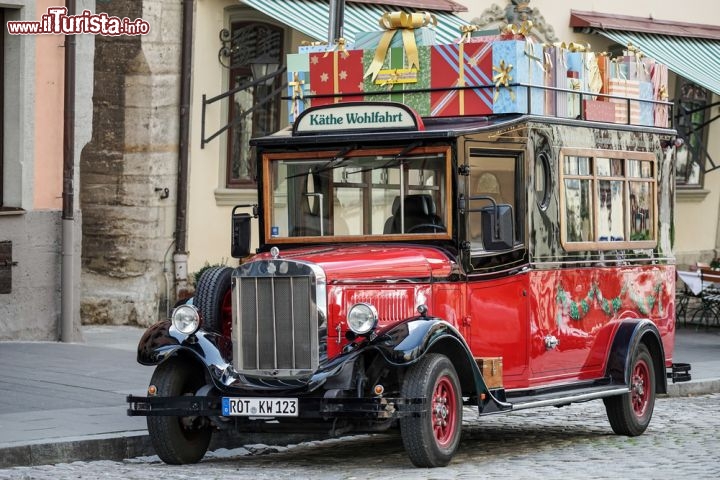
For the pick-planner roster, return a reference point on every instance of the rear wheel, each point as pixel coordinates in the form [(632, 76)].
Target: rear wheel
[(432, 438), (214, 301), (630, 414), (178, 440)]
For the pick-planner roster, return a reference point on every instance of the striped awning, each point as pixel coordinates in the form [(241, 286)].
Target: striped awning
[(311, 17), (697, 59)]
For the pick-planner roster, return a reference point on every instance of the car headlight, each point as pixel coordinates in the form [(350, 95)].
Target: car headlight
[(186, 319), (362, 318)]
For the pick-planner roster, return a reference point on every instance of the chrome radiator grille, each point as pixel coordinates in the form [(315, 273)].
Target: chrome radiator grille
[(276, 319)]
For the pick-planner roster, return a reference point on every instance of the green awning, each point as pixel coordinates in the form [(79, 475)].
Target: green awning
[(311, 17), (697, 59)]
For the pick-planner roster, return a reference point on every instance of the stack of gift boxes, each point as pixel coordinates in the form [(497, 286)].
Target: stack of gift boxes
[(482, 73)]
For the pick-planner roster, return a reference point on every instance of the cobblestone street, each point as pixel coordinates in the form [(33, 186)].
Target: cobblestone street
[(570, 442)]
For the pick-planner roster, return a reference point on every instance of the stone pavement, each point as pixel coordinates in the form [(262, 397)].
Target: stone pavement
[(66, 402)]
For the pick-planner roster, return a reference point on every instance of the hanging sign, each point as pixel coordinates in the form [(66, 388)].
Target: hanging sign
[(357, 116)]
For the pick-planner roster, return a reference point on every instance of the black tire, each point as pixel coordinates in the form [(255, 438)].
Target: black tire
[(213, 301), (178, 440), (432, 438), (630, 414)]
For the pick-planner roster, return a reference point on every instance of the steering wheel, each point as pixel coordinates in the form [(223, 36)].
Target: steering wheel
[(436, 228)]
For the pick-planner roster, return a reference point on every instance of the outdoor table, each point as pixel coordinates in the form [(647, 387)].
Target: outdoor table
[(693, 281), (701, 288)]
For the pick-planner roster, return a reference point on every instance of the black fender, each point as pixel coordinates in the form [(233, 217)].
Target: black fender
[(162, 340), (408, 342), (628, 336)]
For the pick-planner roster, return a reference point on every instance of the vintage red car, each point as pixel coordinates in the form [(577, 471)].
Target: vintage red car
[(410, 267)]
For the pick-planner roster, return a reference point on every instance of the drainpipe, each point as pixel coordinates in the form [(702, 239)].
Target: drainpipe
[(180, 256), (68, 193), (337, 19)]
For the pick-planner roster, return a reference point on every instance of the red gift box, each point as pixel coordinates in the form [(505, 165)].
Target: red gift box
[(599, 111), (336, 73), (461, 65)]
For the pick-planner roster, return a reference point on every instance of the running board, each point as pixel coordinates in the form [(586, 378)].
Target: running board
[(556, 399)]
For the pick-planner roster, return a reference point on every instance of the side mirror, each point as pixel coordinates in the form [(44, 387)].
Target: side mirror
[(497, 227), (240, 232)]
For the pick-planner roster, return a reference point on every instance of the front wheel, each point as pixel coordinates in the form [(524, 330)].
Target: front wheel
[(178, 440), (432, 438), (630, 414)]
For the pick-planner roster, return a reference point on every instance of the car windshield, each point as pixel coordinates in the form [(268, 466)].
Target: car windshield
[(357, 193)]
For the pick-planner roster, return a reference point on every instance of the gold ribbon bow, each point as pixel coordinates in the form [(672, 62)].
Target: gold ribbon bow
[(502, 78), (405, 22), (340, 46), (296, 85), (523, 29), (632, 50), (663, 93), (466, 32), (578, 47), (574, 84)]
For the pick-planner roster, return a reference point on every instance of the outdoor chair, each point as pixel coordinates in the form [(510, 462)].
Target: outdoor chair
[(709, 310)]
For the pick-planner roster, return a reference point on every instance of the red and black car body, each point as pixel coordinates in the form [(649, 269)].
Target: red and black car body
[(405, 272)]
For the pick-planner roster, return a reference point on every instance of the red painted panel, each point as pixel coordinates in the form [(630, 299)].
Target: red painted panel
[(582, 307), (499, 328)]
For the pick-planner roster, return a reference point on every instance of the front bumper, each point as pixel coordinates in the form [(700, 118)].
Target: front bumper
[(372, 408)]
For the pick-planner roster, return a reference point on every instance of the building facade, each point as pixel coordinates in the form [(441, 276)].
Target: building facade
[(31, 176)]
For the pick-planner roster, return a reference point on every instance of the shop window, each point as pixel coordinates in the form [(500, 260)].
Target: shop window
[(251, 42), (692, 115), (608, 200)]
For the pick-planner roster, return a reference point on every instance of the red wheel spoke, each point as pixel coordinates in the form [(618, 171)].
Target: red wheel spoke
[(443, 411), (639, 388)]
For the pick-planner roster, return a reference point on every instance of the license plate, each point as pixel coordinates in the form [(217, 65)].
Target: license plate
[(259, 407)]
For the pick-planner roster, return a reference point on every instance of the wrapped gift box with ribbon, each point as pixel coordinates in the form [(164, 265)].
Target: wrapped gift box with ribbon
[(603, 62), (455, 67), (554, 76), (390, 71), (647, 108), (338, 73), (573, 99), (298, 78), (599, 111), (394, 78), (517, 61), (628, 89), (659, 80)]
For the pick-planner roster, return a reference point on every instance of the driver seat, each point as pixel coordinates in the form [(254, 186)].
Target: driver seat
[(419, 209)]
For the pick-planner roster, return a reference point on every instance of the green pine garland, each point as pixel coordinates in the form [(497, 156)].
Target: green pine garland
[(578, 310)]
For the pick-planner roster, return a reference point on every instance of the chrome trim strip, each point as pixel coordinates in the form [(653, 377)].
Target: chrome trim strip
[(571, 399)]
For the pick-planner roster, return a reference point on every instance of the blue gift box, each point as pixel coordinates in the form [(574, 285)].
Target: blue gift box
[(526, 60), (647, 109), (298, 70), (424, 36)]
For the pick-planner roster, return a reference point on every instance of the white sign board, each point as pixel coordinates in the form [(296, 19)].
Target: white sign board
[(356, 116)]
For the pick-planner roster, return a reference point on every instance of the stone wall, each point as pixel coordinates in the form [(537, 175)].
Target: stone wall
[(132, 158)]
